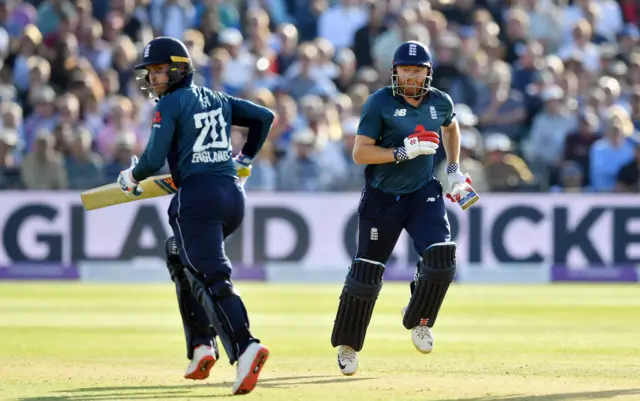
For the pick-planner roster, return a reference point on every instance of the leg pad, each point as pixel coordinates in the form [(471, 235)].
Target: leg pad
[(197, 328), (359, 295), (435, 274)]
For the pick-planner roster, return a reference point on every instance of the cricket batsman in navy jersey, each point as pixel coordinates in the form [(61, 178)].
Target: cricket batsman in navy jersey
[(401, 127), (191, 130)]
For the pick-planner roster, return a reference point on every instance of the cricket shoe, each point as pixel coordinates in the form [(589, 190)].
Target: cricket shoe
[(421, 336), (249, 365), (202, 362), (347, 360)]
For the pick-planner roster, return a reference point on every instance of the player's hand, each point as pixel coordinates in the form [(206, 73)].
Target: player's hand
[(455, 178), (424, 143), (128, 185), (243, 167)]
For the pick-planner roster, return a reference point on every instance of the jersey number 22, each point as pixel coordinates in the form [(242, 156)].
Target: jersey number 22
[(211, 124)]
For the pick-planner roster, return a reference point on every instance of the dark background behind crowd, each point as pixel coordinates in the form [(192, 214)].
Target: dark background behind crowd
[(547, 91)]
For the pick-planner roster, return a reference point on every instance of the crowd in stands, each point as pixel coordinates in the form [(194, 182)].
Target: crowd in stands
[(547, 92)]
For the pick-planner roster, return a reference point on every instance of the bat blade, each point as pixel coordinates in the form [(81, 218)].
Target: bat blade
[(111, 194)]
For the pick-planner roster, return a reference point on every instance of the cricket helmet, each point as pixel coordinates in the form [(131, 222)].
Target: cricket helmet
[(411, 53), (165, 50)]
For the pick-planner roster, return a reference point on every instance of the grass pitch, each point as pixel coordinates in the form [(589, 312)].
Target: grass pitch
[(73, 342)]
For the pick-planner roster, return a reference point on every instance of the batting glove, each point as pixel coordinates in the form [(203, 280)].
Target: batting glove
[(243, 167), (126, 181), (454, 178), (424, 143)]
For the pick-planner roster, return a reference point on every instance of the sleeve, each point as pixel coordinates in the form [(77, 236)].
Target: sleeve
[(255, 117), (162, 131), (595, 167), (450, 112), (370, 124)]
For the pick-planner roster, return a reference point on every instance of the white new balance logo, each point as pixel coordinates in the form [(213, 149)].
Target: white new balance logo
[(400, 113)]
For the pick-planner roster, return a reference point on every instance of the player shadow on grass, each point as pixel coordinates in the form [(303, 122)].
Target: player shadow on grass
[(177, 391), (587, 395)]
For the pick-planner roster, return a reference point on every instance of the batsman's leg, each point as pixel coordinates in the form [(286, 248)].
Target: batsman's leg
[(428, 226), (200, 240), (378, 233), (202, 349)]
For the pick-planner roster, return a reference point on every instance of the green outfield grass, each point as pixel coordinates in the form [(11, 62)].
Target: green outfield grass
[(124, 342)]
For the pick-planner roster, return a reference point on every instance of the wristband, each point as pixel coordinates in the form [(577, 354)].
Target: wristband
[(243, 159), (453, 168), (400, 154)]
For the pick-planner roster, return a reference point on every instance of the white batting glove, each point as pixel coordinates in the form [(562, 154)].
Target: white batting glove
[(243, 167), (454, 178), (129, 185), (424, 143)]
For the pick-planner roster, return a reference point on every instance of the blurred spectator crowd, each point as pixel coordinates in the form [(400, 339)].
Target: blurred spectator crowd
[(547, 92)]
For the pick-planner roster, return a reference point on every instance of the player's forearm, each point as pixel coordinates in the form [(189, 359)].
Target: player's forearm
[(146, 167), (372, 154), (259, 128), (257, 118), (451, 141), (153, 157)]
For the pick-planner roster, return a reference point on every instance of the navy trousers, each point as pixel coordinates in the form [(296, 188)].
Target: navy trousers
[(205, 211), (383, 216)]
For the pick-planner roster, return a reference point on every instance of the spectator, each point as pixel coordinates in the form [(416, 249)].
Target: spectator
[(9, 171), (515, 35), (505, 171), (571, 180), (527, 66), (240, 66), (503, 110), (119, 122), (578, 143), (544, 23), (301, 169), (545, 145), (339, 23), (85, 169), (125, 147), (609, 154), (44, 116), (367, 34), (582, 46), (171, 17), (306, 80), (43, 168), (628, 178)]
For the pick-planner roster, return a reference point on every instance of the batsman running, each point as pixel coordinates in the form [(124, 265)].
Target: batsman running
[(400, 129), (191, 130)]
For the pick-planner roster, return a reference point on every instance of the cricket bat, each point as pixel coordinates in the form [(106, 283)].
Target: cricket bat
[(111, 194)]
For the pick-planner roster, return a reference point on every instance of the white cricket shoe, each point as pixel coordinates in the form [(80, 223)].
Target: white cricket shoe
[(421, 336), (347, 360), (202, 362), (248, 367)]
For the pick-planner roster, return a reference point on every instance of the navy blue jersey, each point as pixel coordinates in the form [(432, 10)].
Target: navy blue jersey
[(192, 131), (389, 120)]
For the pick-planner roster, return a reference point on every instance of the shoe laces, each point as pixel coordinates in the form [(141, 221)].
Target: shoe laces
[(348, 354), (422, 332)]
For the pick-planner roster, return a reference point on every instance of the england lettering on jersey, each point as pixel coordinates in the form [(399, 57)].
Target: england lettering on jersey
[(210, 157)]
